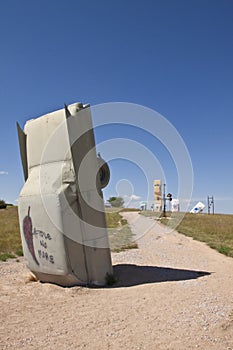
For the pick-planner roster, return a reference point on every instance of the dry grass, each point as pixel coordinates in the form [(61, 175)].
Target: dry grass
[(149, 213), (113, 219), (120, 235), (10, 241), (128, 210), (215, 230)]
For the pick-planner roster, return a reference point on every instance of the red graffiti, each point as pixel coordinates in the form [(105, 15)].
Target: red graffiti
[(27, 230)]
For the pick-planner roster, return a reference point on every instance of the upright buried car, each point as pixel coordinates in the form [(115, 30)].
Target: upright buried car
[(61, 208)]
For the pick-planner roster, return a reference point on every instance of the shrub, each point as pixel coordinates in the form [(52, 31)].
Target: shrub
[(2, 204), (110, 280)]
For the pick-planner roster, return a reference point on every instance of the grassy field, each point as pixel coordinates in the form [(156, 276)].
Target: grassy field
[(120, 235), (215, 230), (10, 241)]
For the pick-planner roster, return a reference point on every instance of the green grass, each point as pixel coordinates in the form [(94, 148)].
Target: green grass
[(10, 241), (215, 230), (5, 256)]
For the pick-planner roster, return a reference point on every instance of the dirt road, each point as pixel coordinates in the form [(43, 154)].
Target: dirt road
[(172, 293)]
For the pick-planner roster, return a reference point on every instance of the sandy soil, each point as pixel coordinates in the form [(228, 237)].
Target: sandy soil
[(172, 293)]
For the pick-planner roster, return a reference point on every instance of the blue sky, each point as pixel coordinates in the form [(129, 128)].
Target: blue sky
[(173, 56)]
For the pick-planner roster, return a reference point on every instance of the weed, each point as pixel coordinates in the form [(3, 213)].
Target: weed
[(123, 222), (110, 280), (5, 256), (19, 252), (224, 249)]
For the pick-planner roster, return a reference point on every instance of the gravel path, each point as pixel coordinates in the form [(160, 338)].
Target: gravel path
[(172, 293)]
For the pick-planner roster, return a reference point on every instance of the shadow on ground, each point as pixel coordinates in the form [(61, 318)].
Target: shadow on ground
[(128, 275)]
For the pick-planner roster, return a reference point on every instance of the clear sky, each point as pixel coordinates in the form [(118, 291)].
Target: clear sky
[(173, 56)]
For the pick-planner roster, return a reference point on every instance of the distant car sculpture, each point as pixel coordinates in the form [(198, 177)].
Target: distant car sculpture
[(61, 207), (198, 208)]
